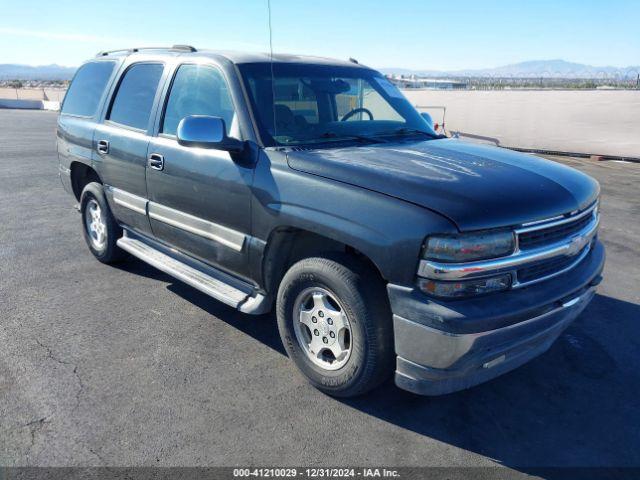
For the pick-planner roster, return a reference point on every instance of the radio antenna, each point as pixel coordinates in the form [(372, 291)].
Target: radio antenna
[(273, 80)]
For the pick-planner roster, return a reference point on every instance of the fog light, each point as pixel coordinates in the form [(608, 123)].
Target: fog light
[(465, 288)]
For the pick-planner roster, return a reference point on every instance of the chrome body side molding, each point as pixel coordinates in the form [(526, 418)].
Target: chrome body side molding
[(128, 200), (184, 221), (190, 223)]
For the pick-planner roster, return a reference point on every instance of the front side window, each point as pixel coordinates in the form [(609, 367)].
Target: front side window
[(308, 104), (87, 88), (198, 90), (134, 97)]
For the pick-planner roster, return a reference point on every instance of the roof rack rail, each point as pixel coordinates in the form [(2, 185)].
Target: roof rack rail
[(183, 48), (188, 48)]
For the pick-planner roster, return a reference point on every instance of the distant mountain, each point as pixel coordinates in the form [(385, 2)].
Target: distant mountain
[(530, 69), (43, 72)]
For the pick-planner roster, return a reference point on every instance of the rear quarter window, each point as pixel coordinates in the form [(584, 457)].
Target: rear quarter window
[(87, 88)]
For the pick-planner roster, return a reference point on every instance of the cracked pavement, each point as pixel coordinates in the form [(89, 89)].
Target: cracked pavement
[(124, 366)]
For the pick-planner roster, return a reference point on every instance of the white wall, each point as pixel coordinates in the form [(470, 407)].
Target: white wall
[(29, 104), (596, 122), (22, 104)]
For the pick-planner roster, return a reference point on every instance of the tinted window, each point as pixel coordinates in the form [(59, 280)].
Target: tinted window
[(86, 89), (134, 98), (304, 104), (296, 97), (198, 90)]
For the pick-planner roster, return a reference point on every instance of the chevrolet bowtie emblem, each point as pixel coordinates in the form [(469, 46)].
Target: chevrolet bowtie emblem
[(576, 245)]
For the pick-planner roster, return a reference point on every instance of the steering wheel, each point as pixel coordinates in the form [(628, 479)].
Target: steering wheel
[(350, 114)]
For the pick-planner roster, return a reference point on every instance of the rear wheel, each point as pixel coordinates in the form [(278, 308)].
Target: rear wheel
[(100, 228), (335, 323)]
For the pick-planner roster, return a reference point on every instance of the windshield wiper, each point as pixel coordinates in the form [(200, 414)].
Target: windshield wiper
[(414, 131), (361, 138)]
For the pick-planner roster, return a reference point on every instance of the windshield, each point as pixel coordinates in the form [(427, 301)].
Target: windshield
[(325, 103)]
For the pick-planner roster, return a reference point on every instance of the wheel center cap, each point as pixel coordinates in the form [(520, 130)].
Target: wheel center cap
[(327, 334), (324, 329)]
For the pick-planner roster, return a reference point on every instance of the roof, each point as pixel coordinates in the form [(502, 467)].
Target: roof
[(264, 57), (234, 56)]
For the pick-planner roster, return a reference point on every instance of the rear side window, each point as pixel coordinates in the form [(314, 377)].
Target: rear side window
[(87, 88), (134, 98)]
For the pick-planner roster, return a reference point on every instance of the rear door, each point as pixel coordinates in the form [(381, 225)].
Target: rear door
[(199, 199), (120, 143)]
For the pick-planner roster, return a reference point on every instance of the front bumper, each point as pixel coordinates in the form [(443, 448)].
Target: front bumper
[(444, 347)]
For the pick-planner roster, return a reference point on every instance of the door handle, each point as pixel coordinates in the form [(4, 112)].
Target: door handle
[(103, 147), (156, 161)]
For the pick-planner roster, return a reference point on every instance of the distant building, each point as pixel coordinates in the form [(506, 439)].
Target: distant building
[(428, 83)]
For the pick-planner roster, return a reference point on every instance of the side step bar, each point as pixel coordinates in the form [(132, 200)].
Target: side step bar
[(218, 285)]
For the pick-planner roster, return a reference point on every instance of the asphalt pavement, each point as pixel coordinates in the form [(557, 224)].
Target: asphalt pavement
[(125, 366)]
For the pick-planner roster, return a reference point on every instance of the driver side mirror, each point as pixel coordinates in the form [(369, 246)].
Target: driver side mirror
[(205, 131)]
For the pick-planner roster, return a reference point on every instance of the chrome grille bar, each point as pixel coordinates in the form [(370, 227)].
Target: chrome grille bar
[(554, 223)]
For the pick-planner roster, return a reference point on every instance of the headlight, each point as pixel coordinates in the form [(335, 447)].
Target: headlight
[(469, 247), (465, 288)]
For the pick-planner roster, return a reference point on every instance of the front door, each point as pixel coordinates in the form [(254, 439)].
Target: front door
[(199, 199)]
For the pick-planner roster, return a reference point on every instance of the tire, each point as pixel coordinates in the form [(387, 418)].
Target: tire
[(93, 204), (354, 290)]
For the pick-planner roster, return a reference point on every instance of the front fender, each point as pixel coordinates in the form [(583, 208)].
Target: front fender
[(389, 231)]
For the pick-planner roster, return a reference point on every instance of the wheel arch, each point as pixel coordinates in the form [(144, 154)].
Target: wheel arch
[(82, 174), (287, 245)]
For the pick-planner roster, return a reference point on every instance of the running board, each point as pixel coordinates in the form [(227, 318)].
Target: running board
[(240, 296)]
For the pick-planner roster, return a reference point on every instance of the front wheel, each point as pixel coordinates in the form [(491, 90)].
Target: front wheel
[(335, 323)]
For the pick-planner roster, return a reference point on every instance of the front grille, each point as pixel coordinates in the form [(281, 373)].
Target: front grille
[(550, 235), (545, 268)]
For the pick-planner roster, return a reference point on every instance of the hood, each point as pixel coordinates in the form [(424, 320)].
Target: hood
[(475, 186)]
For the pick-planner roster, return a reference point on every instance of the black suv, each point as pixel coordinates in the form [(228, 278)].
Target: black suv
[(312, 186)]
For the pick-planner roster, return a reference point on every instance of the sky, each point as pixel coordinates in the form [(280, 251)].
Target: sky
[(415, 34)]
